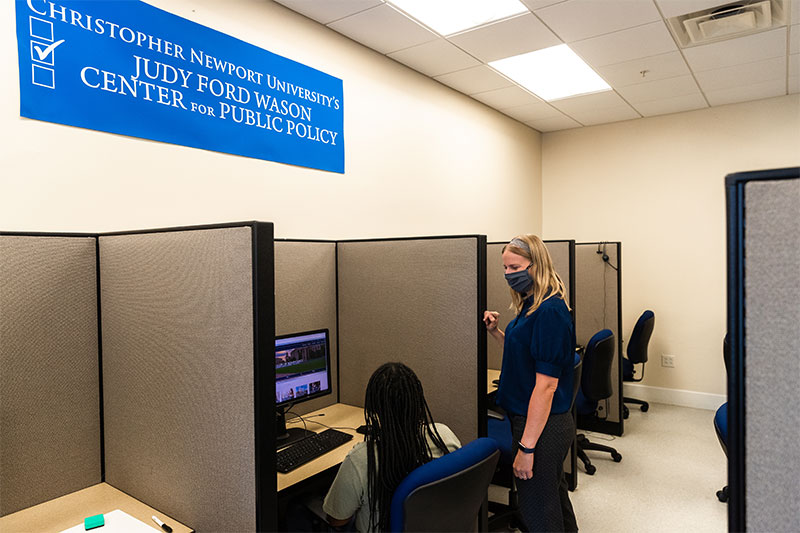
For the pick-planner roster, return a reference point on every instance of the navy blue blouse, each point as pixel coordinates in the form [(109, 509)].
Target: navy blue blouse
[(544, 343)]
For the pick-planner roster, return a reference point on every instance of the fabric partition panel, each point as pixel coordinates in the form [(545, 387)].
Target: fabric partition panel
[(763, 327), (417, 301), (598, 306), (498, 299), (305, 300), (188, 372), (50, 424), (497, 291)]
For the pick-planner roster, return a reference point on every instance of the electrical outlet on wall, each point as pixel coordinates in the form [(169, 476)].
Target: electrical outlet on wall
[(668, 361)]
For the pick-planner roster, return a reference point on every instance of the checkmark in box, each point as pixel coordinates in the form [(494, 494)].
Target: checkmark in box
[(41, 29), (44, 77), (44, 52)]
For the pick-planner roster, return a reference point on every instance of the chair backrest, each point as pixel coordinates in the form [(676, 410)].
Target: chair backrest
[(576, 379), (446, 494), (640, 337), (596, 378)]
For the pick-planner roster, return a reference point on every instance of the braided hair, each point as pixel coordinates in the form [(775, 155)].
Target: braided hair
[(399, 421)]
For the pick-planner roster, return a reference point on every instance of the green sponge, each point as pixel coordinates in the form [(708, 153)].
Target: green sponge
[(93, 522)]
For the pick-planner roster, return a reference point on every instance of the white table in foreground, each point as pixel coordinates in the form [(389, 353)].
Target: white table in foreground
[(69, 510), (340, 416)]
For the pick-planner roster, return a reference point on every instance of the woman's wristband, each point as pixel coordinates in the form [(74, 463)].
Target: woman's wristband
[(524, 449)]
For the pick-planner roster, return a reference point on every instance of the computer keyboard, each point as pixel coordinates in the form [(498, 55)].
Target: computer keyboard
[(310, 448)]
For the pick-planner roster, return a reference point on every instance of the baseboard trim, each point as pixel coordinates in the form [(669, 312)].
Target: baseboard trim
[(682, 398)]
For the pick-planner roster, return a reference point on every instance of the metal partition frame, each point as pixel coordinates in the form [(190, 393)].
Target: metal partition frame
[(592, 316), (762, 335)]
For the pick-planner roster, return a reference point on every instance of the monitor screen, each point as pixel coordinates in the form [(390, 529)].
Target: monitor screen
[(302, 367)]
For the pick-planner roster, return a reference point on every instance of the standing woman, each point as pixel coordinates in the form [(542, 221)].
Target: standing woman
[(536, 382)]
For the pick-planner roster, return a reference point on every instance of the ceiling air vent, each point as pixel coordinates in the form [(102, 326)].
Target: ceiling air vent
[(727, 21)]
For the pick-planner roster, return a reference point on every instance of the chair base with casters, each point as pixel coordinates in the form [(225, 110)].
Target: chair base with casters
[(626, 412), (584, 444), (627, 375)]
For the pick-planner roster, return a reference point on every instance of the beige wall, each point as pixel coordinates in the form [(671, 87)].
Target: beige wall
[(420, 158), (657, 184)]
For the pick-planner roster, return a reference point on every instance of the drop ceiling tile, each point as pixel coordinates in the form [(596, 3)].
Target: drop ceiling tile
[(535, 111), (591, 117), (795, 11), (673, 8), (435, 58), (794, 85), (538, 4), (675, 104), (384, 29), (510, 37), (560, 122), (656, 90), (642, 41), (508, 97), (657, 67), (739, 75), (757, 91), (580, 19), (326, 12), (746, 49), (794, 39), (474, 80), (588, 102), (794, 65)]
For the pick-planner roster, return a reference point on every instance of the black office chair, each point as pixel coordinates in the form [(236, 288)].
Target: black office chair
[(637, 353), (721, 419), (595, 386), (507, 516), (446, 494)]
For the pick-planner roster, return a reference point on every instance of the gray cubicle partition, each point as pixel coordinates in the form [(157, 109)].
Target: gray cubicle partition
[(188, 372), (50, 429), (418, 301), (306, 299), (498, 298), (598, 305), (497, 292), (764, 370)]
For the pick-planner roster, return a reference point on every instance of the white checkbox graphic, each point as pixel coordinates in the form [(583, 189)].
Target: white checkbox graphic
[(43, 76), (42, 53), (41, 29)]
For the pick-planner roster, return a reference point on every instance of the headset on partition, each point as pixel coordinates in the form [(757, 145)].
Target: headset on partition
[(605, 255)]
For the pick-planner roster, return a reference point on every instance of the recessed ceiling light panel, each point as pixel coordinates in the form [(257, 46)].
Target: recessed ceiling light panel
[(447, 17), (552, 73)]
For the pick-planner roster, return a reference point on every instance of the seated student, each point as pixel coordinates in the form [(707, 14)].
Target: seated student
[(401, 437)]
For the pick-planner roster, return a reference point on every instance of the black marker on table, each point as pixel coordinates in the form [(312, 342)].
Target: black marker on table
[(164, 526)]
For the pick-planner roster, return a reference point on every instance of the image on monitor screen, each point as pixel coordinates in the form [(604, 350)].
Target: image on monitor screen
[(302, 367)]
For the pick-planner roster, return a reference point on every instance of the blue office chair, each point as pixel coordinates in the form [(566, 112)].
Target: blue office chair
[(446, 494), (637, 354), (721, 420), (508, 516), (595, 386)]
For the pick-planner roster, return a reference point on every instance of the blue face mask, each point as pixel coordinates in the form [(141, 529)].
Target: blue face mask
[(520, 281)]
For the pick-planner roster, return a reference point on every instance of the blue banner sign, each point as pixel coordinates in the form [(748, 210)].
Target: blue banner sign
[(126, 67)]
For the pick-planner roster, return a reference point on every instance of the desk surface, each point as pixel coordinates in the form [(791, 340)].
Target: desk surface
[(491, 375), (340, 416), (70, 510)]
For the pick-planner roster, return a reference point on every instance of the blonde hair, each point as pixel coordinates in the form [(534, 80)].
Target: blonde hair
[(546, 281)]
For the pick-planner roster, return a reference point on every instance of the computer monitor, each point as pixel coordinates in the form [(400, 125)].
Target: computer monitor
[(302, 373)]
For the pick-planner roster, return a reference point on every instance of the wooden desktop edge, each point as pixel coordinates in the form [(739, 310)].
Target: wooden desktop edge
[(340, 416), (71, 509)]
